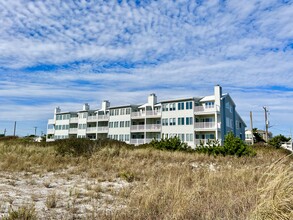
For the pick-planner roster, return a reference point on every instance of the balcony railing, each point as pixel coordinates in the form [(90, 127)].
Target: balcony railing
[(152, 127), (91, 129), (141, 141), (73, 120), (202, 141), (204, 125), (104, 129), (200, 109), (72, 130), (51, 121), (145, 114), (137, 127), (103, 117), (50, 131), (91, 118)]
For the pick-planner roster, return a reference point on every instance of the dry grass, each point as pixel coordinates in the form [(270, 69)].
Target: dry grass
[(166, 185)]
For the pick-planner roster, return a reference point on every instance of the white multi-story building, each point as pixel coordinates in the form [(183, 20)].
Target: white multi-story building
[(194, 120)]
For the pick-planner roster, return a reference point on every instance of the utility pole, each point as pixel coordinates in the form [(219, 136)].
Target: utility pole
[(14, 130), (251, 129), (5, 132), (266, 122), (35, 131)]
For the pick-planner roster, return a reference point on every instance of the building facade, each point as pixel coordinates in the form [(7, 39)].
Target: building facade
[(194, 120)]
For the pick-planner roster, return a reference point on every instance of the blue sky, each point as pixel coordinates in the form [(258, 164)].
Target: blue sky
[(66, 53)]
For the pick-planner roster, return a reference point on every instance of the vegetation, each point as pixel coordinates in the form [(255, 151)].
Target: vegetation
[(171, 144), (160, 184), (232, 146), (278, 140)]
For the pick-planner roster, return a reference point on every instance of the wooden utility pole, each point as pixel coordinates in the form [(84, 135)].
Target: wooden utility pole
[(251, 129), (14, 130), (35, 131), (266, 122)]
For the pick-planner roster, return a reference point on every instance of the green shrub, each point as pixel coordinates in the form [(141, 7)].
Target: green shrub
[(23, 213), (171, 144), (277, 141), (232, 146)]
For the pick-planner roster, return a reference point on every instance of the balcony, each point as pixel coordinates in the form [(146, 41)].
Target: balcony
[(137, 128), (72, 130), (153, 127), (202, 141), (204, 125), (50, 131), (92, 118), (146, 114), (140, 141), (104, 129), (51, 121), (204, 110), (91, 130), (73, 120), (103, 117)]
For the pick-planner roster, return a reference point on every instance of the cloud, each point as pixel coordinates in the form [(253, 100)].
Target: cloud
[(65, 53)]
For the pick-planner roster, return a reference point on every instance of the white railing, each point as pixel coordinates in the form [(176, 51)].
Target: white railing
[(92, 118), (91, 129), (202, 141), (145, 114), (50, 131), (140, 141), (72, 130), (103, 117), (204, 125), (288, 146), (204, 109), (104, 129), (73, 120), (137, 127), (153, 127), (51, 121)]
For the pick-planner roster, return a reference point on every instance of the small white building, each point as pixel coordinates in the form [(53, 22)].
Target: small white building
[(194, 120)]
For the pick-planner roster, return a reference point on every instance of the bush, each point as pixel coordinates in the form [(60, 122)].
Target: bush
[(24, 213), (277, 141), (232, 146), (171, 144)]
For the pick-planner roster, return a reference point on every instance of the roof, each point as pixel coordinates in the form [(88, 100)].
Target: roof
[(123, 106), (208, 98), (180, 99)]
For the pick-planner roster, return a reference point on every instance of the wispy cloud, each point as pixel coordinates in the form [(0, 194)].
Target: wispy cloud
[(69, 52)]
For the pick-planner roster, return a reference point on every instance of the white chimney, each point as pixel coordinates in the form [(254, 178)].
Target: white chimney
[(86, 107), (152, 99), (105, 105), (218, 94), (57, 110)]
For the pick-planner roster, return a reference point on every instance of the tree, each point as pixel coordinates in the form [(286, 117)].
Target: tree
[(277, 140), (258, 138)]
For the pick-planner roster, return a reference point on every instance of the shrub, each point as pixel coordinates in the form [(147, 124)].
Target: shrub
[(24, 213), (74, 147), (277, 140), (171, 144), (232, 146)]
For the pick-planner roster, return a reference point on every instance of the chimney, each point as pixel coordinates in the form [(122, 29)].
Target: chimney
[(218, 94), (86, 107), (105, 105), (57, 110), (152, 99)]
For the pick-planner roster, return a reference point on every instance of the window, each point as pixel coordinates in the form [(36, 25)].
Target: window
[(181, 137), (240, 125), (122, 111), (165, 107), (111, 112), (81, 126), (121, 124), (58, 117), (189, 137), (116, 124), (172, 107), (116, 136), (128, 111), (111, 124), (127, 137), (116, 112), (172, 121), (189, 120), (181, 106), (121, 137), (188, 105), (127, 124), (180, 121), (209, 105), (165, 121)]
